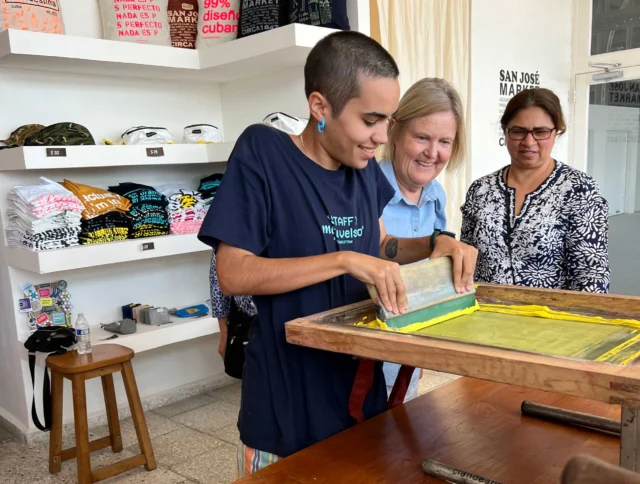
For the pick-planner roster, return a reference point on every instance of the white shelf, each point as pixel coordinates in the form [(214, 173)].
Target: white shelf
[(148, 337), (21, 49), (268, 51), (35, 157), (59, 260)]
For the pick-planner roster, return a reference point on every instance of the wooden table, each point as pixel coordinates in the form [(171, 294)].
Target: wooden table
[(335, 330), (468, 423)]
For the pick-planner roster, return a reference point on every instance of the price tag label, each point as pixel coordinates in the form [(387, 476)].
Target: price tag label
[(148, 246), (56, 152), (154, 152)]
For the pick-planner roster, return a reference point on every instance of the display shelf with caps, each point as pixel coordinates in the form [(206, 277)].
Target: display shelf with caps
[(258, 54), (59, 260), (148, 337), (64, 157)]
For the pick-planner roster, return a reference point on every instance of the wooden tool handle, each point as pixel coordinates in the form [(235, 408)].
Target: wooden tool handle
[(584, 469)]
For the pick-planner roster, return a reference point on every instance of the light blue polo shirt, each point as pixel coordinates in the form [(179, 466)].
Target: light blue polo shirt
[(406, 219)]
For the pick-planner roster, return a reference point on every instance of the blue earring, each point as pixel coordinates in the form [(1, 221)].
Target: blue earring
[(321, 126)]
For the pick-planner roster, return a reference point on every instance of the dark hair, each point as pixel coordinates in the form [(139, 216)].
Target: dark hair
[(541, 98), (336, 64)]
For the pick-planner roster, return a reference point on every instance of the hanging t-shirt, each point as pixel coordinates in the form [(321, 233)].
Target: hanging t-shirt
[(217, 22), (183, 23), (329, 13), (275, 202), (256, 17), (31, 15), (137, 21)]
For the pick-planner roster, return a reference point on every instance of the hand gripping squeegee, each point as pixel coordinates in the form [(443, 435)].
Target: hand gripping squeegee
[(430, 294)]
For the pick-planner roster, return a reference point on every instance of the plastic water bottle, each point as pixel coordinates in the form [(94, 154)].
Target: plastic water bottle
[(82, 334)]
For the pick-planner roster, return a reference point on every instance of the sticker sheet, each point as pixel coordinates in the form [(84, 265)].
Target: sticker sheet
[(46, 304)]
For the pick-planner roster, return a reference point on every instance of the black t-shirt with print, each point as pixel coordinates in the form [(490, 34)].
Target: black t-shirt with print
[(275, 202)]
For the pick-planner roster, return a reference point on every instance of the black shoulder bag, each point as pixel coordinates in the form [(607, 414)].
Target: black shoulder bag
[(237, 339), (53, 340)]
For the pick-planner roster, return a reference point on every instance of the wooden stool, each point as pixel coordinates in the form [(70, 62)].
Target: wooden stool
[(102, 362)]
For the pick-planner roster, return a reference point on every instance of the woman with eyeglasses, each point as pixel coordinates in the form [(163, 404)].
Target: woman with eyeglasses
[(537, 222)]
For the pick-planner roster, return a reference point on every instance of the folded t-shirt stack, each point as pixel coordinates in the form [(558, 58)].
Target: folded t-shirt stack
[(43, 217), (104, 217), (148, 212), (186, 208), (110, 227), (209, 186)]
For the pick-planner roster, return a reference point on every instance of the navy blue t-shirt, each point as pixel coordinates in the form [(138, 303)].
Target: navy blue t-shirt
[(275, 202)]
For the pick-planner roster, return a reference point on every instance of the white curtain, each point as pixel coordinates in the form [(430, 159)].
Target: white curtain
[(430, 38)]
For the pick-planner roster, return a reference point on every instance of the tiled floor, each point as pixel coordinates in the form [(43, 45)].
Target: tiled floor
[(194, 441)]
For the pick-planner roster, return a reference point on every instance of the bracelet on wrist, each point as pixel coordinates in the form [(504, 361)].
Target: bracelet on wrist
[(435, 234)]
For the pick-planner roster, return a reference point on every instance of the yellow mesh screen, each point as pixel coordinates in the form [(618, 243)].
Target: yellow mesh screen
[(535, 329)]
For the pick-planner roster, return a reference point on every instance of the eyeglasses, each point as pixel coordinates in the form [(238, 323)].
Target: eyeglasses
[(519, 134)]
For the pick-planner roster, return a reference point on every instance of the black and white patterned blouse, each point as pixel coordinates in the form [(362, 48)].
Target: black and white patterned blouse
[(220, 304), (559, 240)]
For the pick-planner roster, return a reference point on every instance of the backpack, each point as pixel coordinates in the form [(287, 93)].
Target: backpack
[(237, 339), (53, 340)]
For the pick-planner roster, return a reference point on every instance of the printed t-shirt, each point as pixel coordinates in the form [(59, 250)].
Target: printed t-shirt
[(96, 200), (276, 203)]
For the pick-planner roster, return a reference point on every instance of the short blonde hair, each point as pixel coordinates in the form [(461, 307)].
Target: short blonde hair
[(428, 96)]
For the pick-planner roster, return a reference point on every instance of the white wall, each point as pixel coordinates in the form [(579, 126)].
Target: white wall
[(12, 405), (530, 37), (244, 102)]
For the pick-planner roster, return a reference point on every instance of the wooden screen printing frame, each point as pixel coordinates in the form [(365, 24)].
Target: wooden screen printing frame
[(610, 383)]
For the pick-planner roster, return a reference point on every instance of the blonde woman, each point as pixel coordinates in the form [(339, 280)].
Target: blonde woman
[(426, 135)]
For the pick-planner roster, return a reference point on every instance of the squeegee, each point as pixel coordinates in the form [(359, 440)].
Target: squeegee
[(430, 294)]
